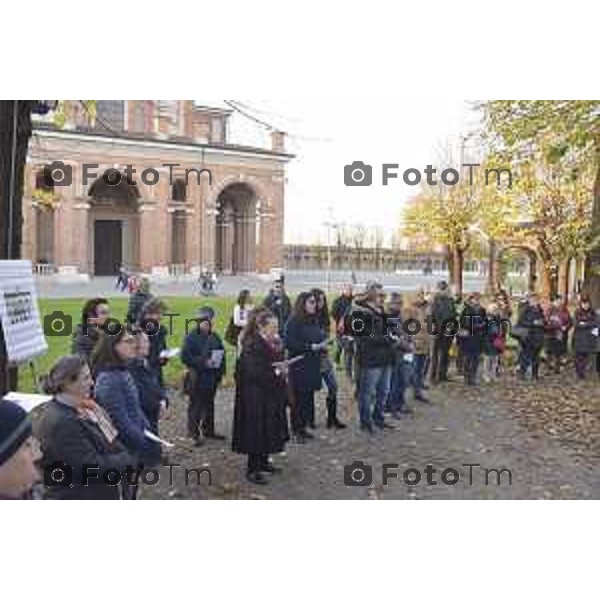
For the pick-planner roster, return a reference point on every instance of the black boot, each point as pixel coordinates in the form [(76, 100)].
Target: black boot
[(332, 420)]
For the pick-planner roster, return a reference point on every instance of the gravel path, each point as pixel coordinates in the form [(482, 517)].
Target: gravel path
[(461, 426)]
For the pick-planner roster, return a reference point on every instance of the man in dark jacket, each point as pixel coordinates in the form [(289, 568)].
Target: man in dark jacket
[(278, 302), (203, 354), (443, 310), (375, 357), (473, 322), (94, 314), (137, 300), (532, 321), (344, 343)]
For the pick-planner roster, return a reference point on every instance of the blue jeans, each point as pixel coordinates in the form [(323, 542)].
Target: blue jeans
[(330, 382), (373, 390), (419, 368), (399, 382)]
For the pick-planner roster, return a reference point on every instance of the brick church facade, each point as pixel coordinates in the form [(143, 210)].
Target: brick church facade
[(215, 205)]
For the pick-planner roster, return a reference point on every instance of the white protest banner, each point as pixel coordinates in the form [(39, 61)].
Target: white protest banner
[(23, 334)]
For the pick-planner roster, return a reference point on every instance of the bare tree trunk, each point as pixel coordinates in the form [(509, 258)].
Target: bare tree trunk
[(592, 263), (12, 148), (563, 279), (457, 271)]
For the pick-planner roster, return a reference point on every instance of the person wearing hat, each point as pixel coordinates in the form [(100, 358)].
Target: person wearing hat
[(18, 453), (203, 354)]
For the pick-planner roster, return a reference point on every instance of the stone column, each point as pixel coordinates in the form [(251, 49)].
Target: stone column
[(147, 236), (193, 233), (228, 240), (161, 220), (208, 219), (80, 236), (29, 232)]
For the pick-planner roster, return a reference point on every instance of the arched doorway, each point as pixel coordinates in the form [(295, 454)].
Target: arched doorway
[(517, 268), (113, 227), (236, 229)]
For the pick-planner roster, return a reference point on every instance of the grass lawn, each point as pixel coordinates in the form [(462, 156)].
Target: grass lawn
[(185, 307)]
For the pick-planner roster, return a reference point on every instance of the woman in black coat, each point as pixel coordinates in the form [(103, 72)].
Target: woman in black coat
[(304, 337), (585, 336), (473, 322), (77, 434), (259, 417)]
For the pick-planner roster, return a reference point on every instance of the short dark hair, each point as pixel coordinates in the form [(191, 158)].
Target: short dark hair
[(243, 298), (90, 309)]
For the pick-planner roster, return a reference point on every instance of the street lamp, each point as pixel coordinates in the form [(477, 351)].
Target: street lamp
[(330, 224)]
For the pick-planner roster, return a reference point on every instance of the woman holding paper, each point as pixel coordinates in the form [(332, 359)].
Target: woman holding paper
[(118, 394), (259, 418), (76, 434), (204, 356), (304, 337)]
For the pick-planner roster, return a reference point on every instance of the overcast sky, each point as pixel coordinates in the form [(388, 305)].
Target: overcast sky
[(328, 134)]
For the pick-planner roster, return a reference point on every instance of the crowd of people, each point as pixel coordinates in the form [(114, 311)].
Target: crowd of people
[(109, 395)]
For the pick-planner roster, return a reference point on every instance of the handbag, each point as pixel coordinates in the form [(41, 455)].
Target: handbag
[(499, 343)]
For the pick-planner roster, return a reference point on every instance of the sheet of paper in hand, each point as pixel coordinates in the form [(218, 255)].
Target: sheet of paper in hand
[(287, 363), (155, 438), (408, 358), (216, 358), (172, 353)]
